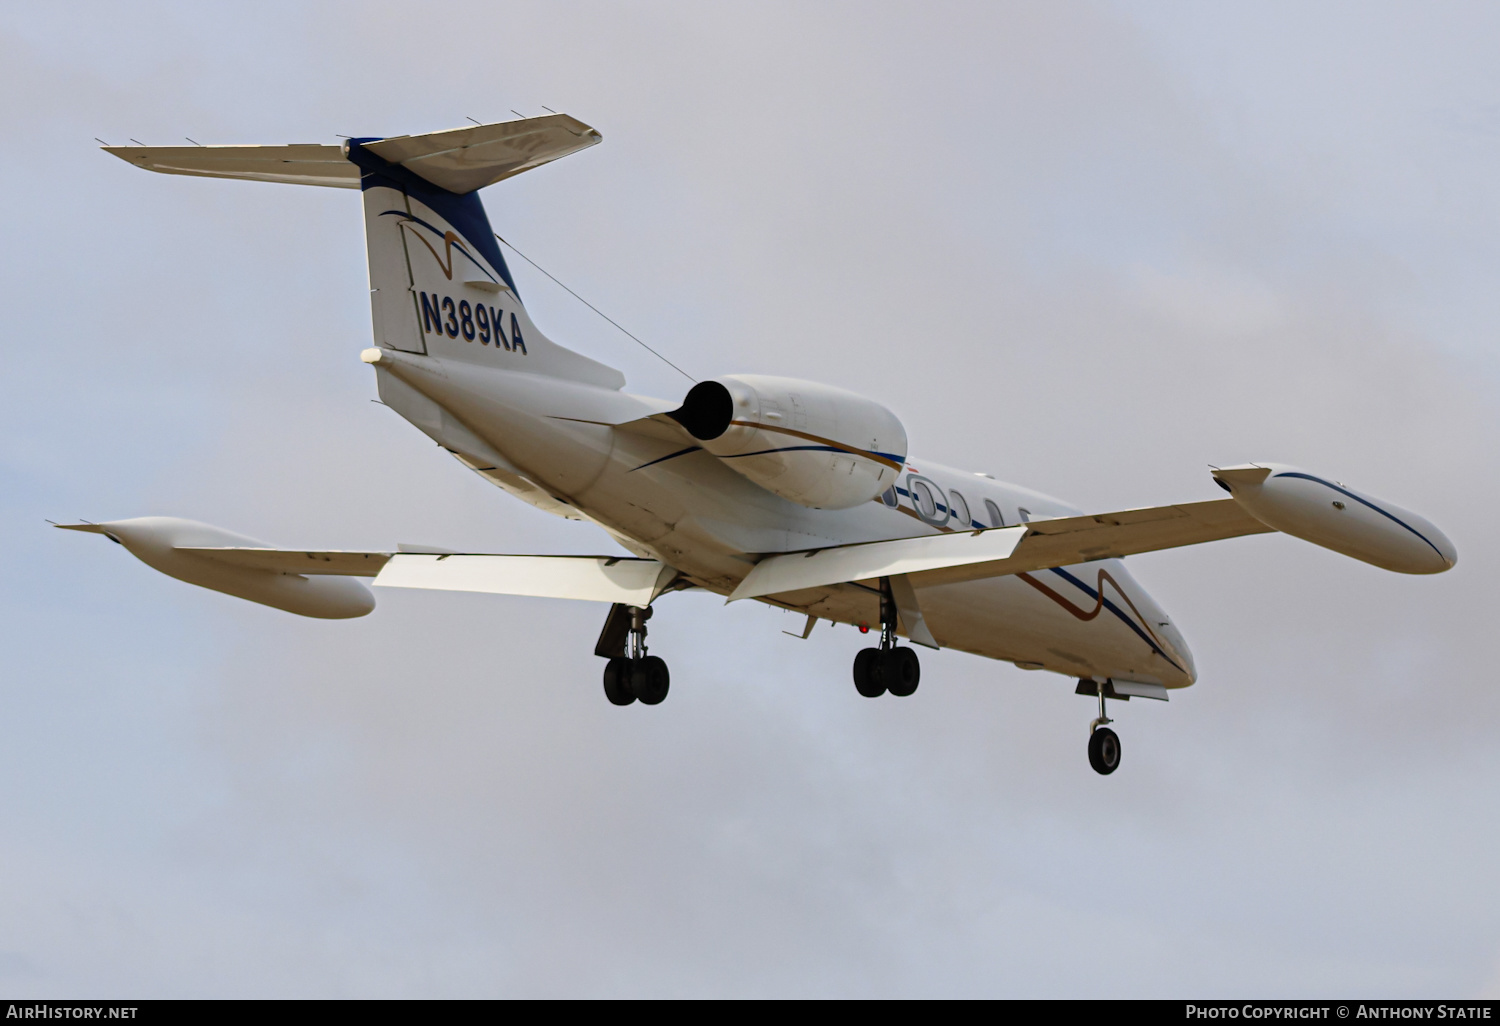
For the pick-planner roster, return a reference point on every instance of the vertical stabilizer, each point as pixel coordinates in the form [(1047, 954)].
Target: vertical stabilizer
[(439, 284)]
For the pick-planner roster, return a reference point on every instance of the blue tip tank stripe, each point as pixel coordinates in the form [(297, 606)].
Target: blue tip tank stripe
[(1366, 502)]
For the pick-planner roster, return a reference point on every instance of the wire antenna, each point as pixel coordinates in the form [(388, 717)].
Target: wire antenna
[(479, 123), (596, 310)]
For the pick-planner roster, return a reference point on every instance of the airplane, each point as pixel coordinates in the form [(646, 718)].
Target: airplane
[(792, 493)]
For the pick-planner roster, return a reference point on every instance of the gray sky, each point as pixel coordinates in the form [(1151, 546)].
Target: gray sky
[(1090, 248)]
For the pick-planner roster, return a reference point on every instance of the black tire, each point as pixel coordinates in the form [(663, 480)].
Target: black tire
[(1104, 751), (866, 680), (650, 680), (902, 672), (617, 681)]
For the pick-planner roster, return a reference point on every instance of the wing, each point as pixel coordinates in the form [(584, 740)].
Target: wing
[(635, 582), (997, 552)]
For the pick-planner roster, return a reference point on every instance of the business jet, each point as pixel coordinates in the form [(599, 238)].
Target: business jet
[(793, 493)]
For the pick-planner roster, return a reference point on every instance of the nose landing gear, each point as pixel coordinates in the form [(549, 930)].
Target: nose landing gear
[(631, 674), (1104, 750), (1104, 744), (889, 667)]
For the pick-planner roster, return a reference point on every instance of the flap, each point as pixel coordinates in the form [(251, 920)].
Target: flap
[(996, 552), (794, 571), (634, 582)]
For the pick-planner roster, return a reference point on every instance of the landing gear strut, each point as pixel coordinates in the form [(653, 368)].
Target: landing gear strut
[(887, 668), (631, 674), (1104, 744)]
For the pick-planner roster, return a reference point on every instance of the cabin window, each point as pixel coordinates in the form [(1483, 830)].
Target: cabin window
[(960, 508), (928, 500), (889, 497), (996, 519), (1025, 515)]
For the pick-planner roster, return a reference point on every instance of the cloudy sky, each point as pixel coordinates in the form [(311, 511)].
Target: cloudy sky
[(1090, 248)]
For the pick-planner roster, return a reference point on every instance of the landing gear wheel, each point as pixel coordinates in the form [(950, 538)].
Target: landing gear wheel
[(649, 680), (868, 681), (1104, 751), (617, 681), (901, 671)]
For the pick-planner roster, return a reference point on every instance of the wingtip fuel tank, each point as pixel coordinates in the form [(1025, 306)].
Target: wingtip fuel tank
[(1329, 513), (156, 541)]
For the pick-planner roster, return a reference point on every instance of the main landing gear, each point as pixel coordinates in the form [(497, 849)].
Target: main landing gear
[(631, 674), (1104, 744), (887, 668)]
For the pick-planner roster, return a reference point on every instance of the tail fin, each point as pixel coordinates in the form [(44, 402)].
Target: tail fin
[(438, 282)]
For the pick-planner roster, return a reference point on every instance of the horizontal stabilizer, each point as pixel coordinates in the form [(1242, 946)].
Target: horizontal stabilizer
[(634, 582), (297, 164), (459, 160), (464, 159), (996, 552)]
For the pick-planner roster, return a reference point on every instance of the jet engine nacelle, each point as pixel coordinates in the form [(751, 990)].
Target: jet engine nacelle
[(155, 541), (1335, 516), (812, 444)]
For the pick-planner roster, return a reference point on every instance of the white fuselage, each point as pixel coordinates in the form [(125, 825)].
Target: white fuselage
[(662, 497)]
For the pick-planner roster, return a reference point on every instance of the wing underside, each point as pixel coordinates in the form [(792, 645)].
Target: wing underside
[(592, 578), (996, 552)]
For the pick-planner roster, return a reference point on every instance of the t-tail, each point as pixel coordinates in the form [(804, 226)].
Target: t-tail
[(439, 284)]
